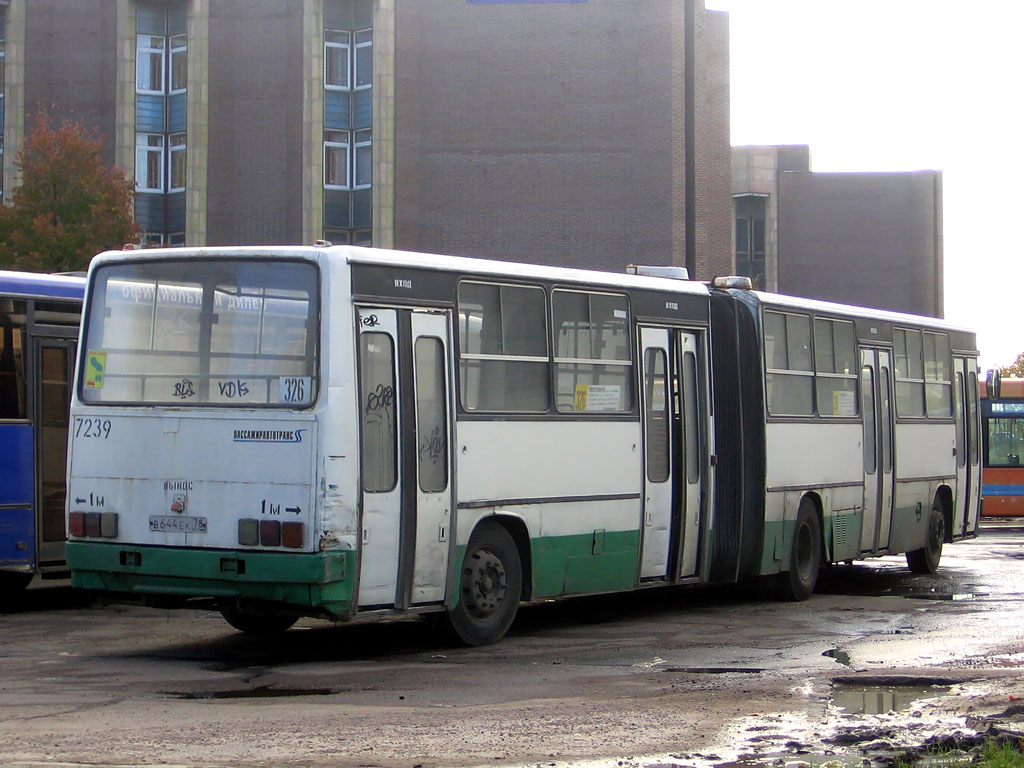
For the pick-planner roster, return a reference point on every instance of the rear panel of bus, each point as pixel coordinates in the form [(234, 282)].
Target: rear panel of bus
[(194, 432)]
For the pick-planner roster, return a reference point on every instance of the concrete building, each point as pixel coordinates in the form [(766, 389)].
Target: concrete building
[(588, 133), (873, 239)]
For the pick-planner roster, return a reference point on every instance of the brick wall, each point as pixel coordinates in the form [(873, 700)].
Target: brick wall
[(872, 239), (255, 122), (714, 154), (549, 132), (70, 62)]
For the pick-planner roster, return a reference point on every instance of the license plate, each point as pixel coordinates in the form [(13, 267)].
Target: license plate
[(173, 524)]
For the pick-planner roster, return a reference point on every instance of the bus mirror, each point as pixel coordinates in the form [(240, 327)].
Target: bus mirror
[(993, 384)]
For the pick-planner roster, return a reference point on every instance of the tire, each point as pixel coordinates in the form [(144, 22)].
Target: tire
[(490, 584), (926, 559), (799, 581), (262, 624)]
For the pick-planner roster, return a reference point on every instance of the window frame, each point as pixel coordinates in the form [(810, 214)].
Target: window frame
[(178, 48), (158, 346), (142, 162), (345, 46), (354, 67), (342, 149), (816, 376), (361, 139), (794, 373), (149, 51), (628, 363), (464, 356), (177, 146), (921, 383)]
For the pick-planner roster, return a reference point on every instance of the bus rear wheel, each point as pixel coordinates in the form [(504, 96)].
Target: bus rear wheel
[(926, 559), (805, 556), (490, 584), (253, 623)]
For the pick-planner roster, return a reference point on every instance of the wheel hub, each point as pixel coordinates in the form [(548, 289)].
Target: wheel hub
[(484, 584)]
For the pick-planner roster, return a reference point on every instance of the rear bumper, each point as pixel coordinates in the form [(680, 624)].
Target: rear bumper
[(314, 583)]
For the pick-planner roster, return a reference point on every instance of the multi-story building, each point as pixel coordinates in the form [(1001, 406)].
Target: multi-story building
[(873, 239), (587, 133)]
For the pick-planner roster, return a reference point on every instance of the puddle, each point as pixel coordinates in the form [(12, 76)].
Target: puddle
[(953, 596), (881, 699), (716, 670), (842, 657), (260, 692)]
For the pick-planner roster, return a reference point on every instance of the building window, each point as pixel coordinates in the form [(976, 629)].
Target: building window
[(750, 238), (150, 64), (363, 59), (337, 145), (348, 155), (179, 64), (337, 57), (149, 162), (161, 82), (348, 165), (177, 163), (362, 159)]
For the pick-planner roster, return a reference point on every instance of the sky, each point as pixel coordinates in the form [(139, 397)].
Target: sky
[(902, 85)]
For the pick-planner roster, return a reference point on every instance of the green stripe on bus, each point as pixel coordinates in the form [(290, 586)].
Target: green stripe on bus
[(320, 581), (598, 561), (842, 537)]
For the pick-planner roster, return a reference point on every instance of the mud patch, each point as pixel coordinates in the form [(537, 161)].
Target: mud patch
[(259, 692)]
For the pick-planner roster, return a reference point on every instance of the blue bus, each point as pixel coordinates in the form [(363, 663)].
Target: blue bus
[(39, 323)]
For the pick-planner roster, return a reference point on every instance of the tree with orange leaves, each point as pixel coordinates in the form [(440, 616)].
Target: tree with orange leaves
[(69, 205)]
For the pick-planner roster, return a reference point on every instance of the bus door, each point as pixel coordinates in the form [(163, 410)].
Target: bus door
[(672, 463), (877, 413), (405, 434), (965, 389), (53, 370)]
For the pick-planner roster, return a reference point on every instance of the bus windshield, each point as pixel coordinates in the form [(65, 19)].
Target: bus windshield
[(224, 332), (1006, 434)]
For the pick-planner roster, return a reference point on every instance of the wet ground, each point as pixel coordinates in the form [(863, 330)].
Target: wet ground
[(878, 661)]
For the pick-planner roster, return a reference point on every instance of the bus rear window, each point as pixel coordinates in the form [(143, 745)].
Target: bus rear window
[(225, 332)]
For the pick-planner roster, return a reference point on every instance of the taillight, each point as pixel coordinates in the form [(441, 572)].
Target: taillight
[(248, 532), (291, 535), (93, 525), (270, 533)]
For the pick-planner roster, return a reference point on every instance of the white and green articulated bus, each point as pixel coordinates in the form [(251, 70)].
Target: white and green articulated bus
[(343, 432)]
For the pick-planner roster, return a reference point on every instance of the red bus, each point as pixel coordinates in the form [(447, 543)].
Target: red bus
[(1002, 431)]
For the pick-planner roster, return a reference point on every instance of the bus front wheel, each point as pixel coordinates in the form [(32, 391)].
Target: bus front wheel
[(253, 623), (926, 559), (805, 556), (490, 584)]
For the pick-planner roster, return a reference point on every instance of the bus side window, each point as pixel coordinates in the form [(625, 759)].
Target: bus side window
[(12, 360), (377, 400)]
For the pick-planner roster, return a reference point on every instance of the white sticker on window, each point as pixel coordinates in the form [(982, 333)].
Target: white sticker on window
[(297, 390), (597, 397), (844, 403)]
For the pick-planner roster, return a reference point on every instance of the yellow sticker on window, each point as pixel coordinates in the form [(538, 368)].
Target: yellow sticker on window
[(582, 396), (95, 369)]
